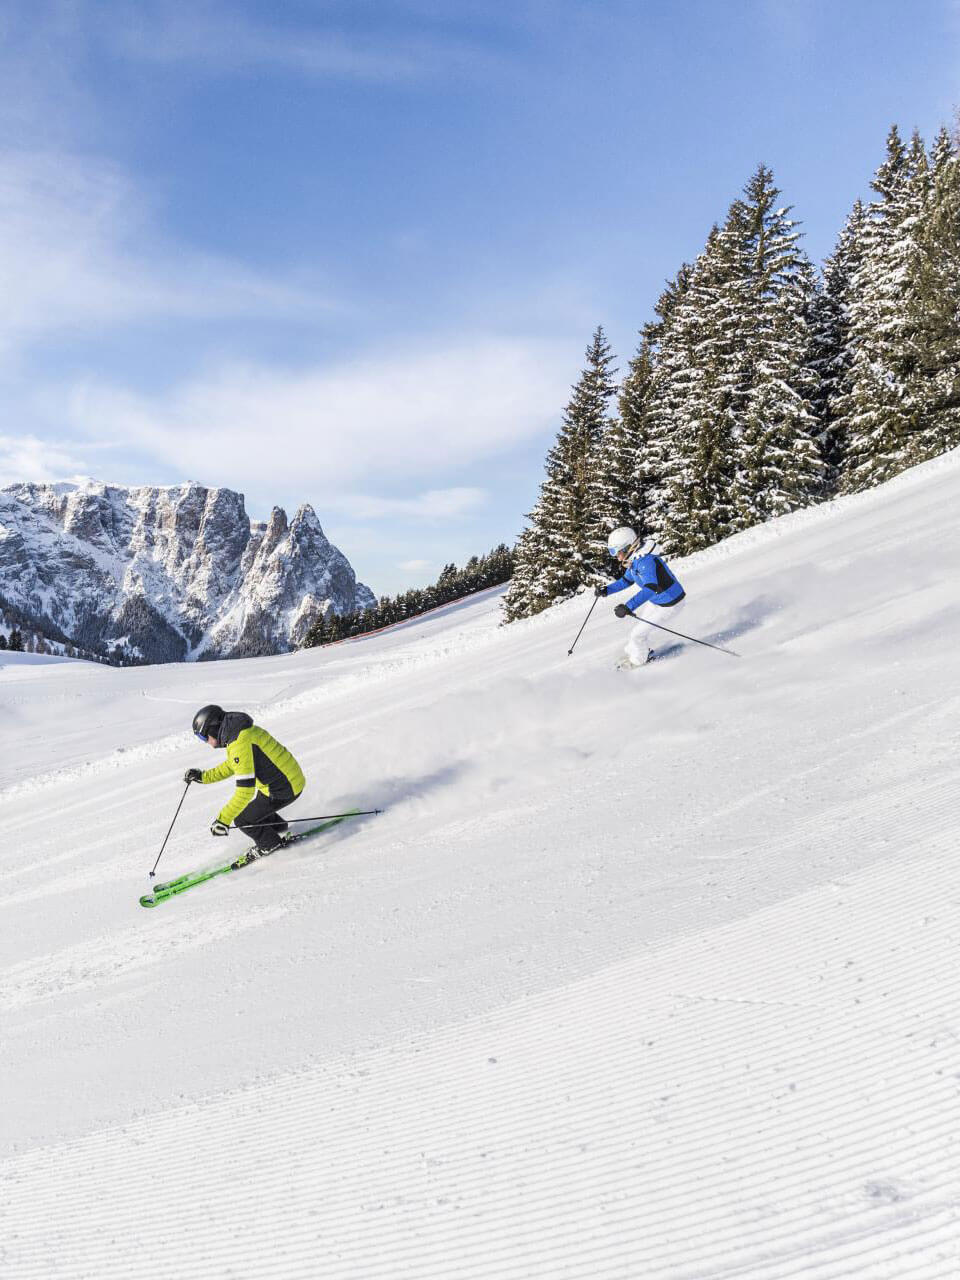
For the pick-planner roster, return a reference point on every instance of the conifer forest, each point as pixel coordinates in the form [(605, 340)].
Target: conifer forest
[(760, 385), (479, 573)]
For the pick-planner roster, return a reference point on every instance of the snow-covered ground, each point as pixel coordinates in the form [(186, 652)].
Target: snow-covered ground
[(649, 975)]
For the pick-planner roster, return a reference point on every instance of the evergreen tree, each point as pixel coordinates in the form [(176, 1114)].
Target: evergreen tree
[(564, 546), (3, 641), (697, 397), (934, 304), (317, 634), (453, 584), (625, 482), (881, 405), (779, 465), (501, 565), (734, 390), (16, 640), (665, 308), (446, 585), (833, 349), (645, 402), (471, 576), (528, 592)]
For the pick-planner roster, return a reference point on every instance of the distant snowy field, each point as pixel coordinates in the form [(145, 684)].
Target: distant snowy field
[(648, 975)]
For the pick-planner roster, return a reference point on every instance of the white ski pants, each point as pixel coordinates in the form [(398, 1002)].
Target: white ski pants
[(644, 638)]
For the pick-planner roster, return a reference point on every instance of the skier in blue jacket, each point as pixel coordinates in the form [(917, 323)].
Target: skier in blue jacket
[(657, 584)]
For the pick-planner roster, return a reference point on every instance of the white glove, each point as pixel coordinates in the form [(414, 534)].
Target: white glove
[(219, 828)]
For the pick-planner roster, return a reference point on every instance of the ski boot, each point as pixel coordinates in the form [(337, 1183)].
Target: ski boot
[(628, 664), (283, 837)]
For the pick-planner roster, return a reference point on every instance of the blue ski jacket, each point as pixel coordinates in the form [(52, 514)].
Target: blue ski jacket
[(654, 579)]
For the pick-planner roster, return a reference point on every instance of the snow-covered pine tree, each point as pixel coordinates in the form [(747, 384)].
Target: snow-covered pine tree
[(697, 397), (527, 593), (674, 292), (779, 464), (564, 546), (624, 476), (318, 633), (934, 304), (498, 565), (880, 408), (655, 454), (833, 352)]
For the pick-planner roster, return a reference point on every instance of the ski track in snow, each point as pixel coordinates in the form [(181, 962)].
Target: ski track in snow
[(635, 1122), (649, 975), (112, 957)]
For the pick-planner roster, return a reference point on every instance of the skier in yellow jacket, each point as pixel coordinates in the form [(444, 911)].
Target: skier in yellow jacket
[(267, 776)]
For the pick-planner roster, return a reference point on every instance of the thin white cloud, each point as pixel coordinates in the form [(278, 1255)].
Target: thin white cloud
[(28, 458), (219, 39), (72, 255), (431, 505), (406, 416)]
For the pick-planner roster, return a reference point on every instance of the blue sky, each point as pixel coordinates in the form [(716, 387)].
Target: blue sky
[(351, 253)]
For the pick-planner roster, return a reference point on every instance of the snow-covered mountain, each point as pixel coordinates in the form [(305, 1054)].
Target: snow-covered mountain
[(168, 573)]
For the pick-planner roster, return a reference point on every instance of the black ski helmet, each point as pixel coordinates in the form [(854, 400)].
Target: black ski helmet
[(207, 722)]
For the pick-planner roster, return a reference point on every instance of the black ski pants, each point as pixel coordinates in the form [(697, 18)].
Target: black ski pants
[(259, 819)]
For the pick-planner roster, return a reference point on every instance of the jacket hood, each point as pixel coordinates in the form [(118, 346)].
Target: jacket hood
[(233, 722)]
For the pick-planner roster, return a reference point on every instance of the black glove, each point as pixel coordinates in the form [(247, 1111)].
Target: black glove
[(599, 591), (193, 775), (219, 828), (622, 611)]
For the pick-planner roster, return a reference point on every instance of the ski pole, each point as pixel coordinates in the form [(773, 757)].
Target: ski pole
[(585, 621), (167, 836), (719, 647)]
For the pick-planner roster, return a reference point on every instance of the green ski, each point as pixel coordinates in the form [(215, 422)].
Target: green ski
[(170, 888)]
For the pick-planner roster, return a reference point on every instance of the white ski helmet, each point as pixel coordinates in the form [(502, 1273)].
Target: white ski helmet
[(620, 540)]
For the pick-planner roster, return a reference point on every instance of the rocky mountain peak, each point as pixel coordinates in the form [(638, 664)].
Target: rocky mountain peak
[(167, 573)]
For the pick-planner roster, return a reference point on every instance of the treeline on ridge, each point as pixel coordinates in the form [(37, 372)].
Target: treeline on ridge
[(477, 574)]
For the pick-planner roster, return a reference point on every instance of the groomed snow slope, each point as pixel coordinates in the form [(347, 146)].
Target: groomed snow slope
[(650, 975)]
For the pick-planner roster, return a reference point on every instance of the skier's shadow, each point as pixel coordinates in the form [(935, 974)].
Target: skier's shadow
[(396, 790), (390, 792), (668, 651), (748, 618)]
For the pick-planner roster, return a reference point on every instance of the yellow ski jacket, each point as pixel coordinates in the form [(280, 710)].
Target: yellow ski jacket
[(257, 760)]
